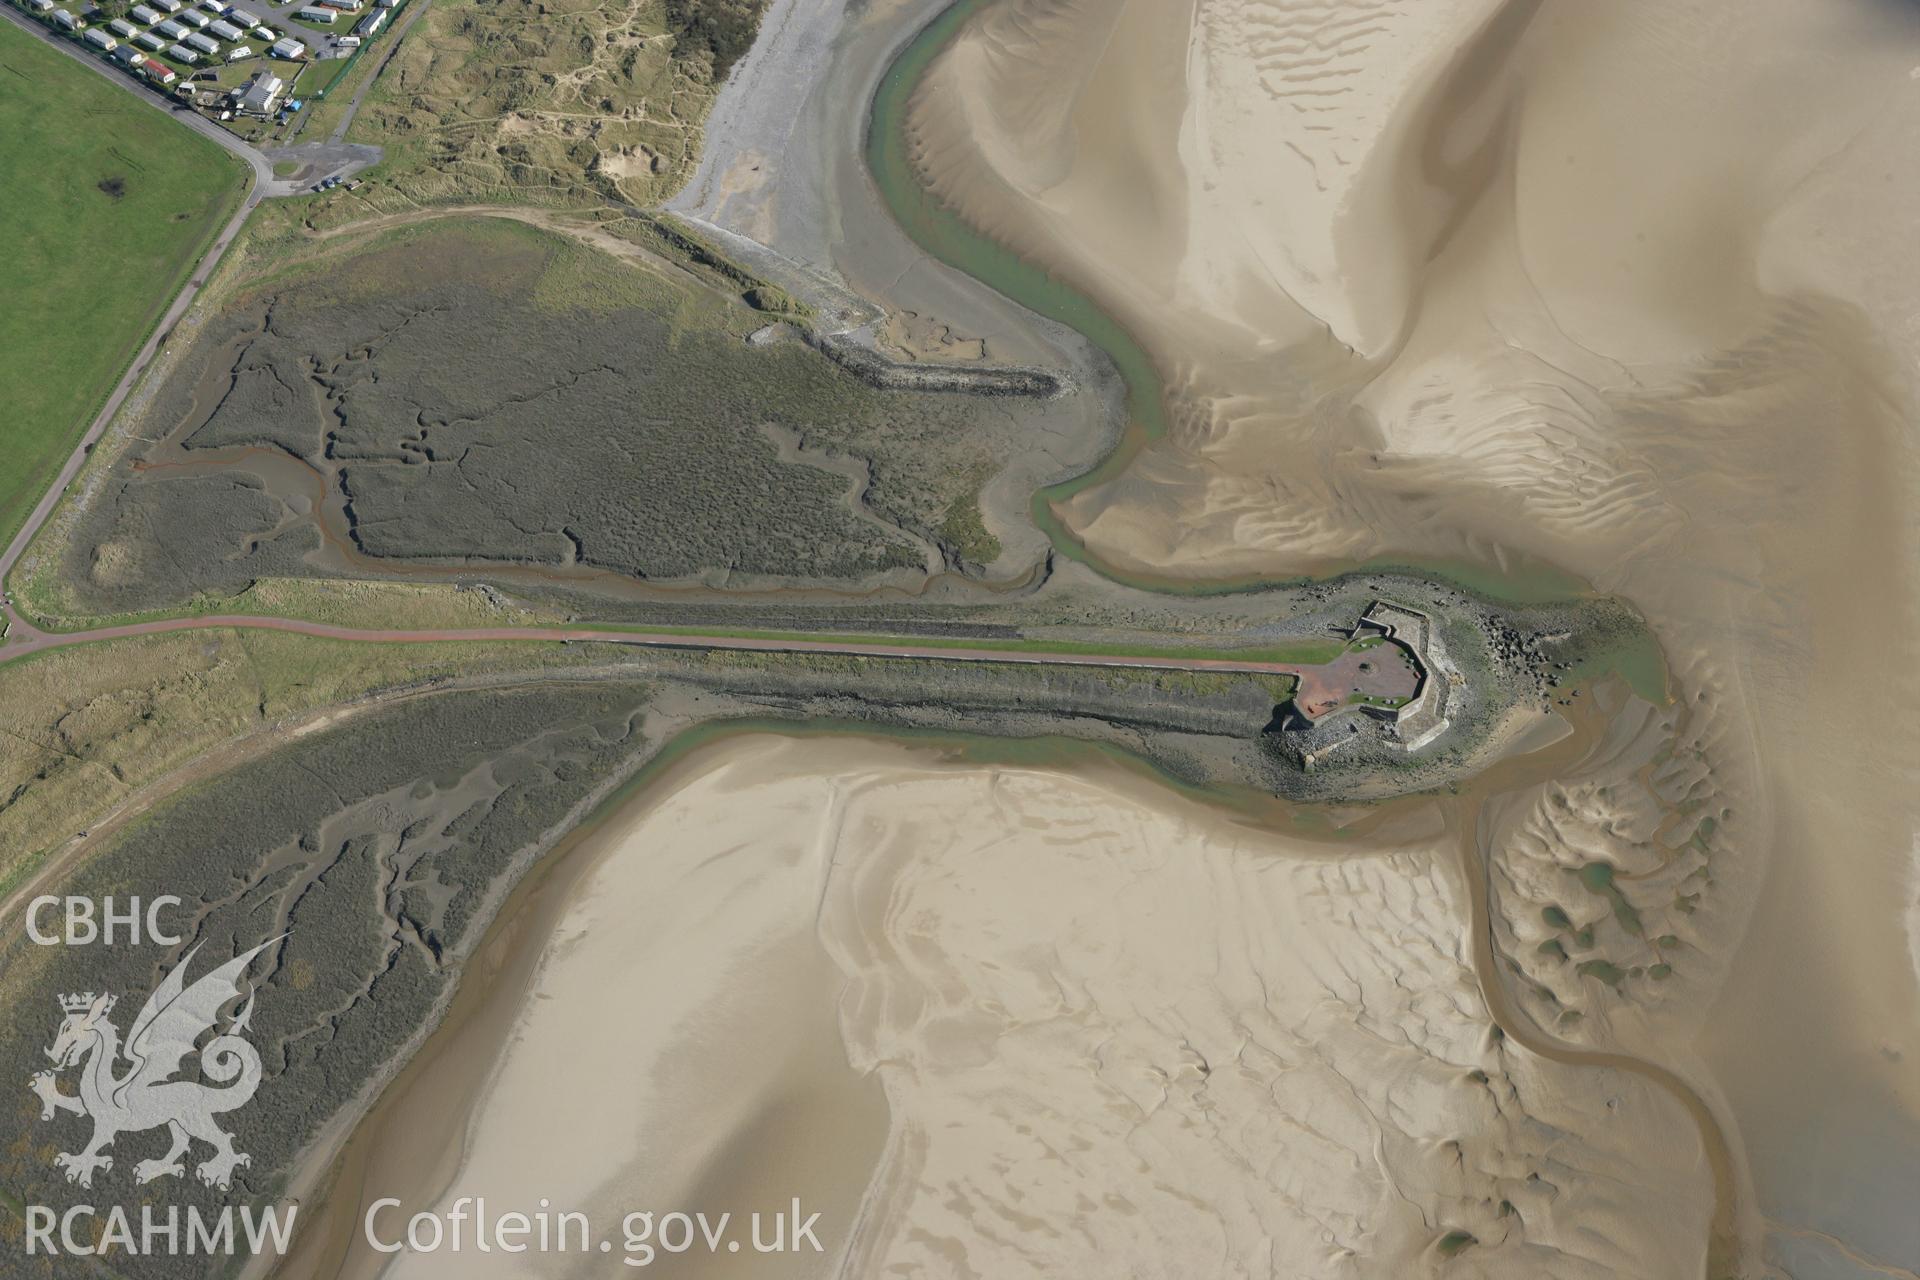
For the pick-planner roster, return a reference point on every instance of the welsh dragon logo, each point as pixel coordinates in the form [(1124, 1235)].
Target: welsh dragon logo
[(144, 1095)]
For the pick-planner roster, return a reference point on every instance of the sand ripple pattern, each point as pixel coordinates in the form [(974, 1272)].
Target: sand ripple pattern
[(1591, 284), (1114, 1029)]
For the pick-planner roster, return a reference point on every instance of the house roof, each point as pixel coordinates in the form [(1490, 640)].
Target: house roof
[(263, 90)]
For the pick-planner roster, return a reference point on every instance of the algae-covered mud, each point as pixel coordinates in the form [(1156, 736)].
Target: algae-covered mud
[(394, 836), (1001, 995), (489, 394), (387, 842)]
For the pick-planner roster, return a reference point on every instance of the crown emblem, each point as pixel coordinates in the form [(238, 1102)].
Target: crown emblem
[(178, 1022)]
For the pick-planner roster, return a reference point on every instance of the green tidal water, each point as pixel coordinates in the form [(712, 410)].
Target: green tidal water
[(936, 228)]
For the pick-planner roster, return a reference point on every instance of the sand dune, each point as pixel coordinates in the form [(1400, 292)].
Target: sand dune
[(1620, 286)]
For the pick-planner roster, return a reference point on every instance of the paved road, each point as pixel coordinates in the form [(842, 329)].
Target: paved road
[(262, 175), (262, 185), (408, 14), (193, 120), (26, 639), (318, 160)]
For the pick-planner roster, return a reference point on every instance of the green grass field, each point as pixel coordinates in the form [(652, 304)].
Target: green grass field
[(324, 73), (105, 204)]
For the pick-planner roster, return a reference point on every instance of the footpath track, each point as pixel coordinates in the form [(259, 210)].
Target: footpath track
[(24, 639)]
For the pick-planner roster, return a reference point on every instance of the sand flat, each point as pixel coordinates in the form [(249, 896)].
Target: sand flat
[(1107, 1021), (677, 1047), (1614, 286)]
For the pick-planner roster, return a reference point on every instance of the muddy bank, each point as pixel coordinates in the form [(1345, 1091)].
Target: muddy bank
[(474, 394), (381, 847), (866, 841)]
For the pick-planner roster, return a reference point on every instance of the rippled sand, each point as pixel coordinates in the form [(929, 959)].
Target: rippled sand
[(1627, 287), (675, 1049), (1115, 1032)]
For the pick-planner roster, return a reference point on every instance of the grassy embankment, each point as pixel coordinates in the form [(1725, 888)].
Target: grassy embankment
[(341, 602), (1303, 652), (107, 205), (89, 729), (410, 606)]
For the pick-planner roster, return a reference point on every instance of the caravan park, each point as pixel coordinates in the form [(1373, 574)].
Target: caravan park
[(254, 68)]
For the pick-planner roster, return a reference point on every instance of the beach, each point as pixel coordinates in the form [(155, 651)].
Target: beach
[(1586, 284), (1010, 1020)]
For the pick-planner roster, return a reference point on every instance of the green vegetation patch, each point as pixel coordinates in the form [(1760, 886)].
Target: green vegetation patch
[(106, 205), (325, 73), (963, 529), (556, 102), (722, 28), (1605, 970), (578, 279)]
